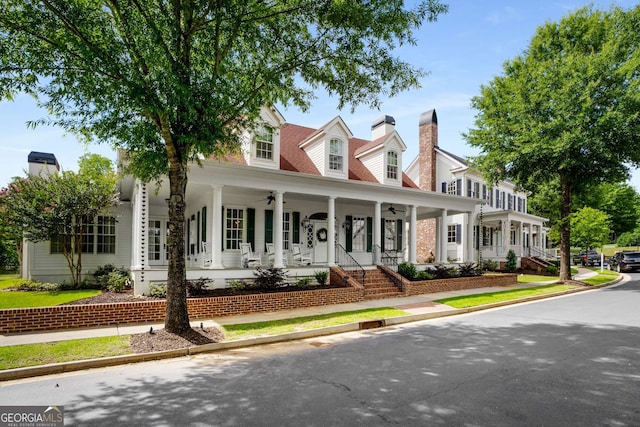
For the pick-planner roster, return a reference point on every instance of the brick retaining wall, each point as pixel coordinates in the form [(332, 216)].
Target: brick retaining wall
[(456, 284), (21, 320)]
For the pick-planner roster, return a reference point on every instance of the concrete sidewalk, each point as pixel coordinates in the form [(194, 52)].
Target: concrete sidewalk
[(418, 304)]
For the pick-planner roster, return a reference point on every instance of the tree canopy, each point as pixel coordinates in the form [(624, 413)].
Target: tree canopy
[(567, 109), (61, 207), (171, 81), (589, 228)]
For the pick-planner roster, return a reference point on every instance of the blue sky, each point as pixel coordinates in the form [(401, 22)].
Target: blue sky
[(462, 50)]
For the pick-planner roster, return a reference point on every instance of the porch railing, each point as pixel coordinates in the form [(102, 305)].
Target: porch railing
[(348, 263), (386, 258)]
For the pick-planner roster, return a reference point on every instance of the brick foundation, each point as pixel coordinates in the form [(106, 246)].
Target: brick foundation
[(22, 320)]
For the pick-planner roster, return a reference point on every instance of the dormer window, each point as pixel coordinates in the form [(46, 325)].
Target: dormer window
[(335, 155), (392, 165), (264, 143)]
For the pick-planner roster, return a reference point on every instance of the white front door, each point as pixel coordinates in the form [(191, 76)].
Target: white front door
[(157, 240), (320, 235)]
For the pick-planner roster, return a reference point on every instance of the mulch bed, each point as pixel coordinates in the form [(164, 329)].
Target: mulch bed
[(161, 340)]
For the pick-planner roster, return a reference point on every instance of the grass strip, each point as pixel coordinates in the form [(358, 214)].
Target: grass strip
[(493, 297), (602, 277), (9, 281), (19, 299), (20, 356), (535, 278), (274, 327)]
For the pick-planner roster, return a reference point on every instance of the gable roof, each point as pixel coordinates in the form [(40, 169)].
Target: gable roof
[(295, 159), (462, 161)]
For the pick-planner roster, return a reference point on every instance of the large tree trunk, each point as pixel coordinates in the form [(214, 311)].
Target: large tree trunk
[(177, 318), (565, 229)]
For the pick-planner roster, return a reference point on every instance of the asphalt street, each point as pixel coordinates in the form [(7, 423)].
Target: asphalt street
[(566, 361)]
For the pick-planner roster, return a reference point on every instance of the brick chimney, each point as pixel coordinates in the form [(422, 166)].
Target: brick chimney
[(428, 140)]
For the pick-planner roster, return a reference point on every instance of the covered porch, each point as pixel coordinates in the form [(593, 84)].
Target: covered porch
[(276, 212)]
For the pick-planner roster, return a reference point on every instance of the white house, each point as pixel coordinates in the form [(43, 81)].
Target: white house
[(499, 221), (298, 192)]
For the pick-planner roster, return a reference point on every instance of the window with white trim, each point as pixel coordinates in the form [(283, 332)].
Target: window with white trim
[(392, 165), (451, 233), (358, 234), (335, 155), (286, 230), (390, 235), (234, 227), (264, 142), (452, 187), (106, 235), (98, 237)]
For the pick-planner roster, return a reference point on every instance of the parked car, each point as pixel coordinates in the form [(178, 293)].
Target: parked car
[(625, 261), (590, 258)]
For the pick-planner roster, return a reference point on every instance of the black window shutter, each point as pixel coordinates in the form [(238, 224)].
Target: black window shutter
[(399, 234), (222, 229), (444, 187), (348, 242), (369, 234), (459, 187), (251, 227), (469, 188), (188, 235), (268, 226), (382, 234), (458, 233), (204, 223), (295, 227)]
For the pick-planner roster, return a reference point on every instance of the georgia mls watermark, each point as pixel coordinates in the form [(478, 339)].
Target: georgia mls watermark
[(31, 416)]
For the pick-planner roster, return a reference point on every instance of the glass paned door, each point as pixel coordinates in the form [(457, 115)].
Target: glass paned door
[(157, 242)]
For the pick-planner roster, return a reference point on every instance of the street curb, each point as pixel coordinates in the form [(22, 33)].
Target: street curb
[(64, 367)]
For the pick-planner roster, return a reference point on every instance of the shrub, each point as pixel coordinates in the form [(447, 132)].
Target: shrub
[(424, 275), (407, 270), (553, 270), (35, 286), (116, 282), (269, 278), (443, 272), (197, 287), (303, 282), (158, 290), (489, 265), (629, 238), (512, 261), (321, 277), (469, 270), (238, 285)]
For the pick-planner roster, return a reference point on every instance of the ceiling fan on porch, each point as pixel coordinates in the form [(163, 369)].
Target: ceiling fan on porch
[(394, 210), (270, 198)]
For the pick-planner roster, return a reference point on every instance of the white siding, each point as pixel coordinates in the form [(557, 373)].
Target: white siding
[(376, 165), (47, 267)]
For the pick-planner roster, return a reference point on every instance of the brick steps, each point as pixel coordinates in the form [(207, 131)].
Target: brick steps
[(378, 286)]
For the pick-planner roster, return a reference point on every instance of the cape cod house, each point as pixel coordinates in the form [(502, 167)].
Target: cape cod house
[(307, 199)]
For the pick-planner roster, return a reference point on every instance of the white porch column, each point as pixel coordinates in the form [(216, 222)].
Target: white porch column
[(143, 224), (215, 229), (506, 239), (135, 230), (377, 237), (413, 234), (331, 234), (438, 239), (277, 230), (443, 237), (468, 241)]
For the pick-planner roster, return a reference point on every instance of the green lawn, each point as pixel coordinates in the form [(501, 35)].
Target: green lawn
[(534, 278), (274, 327), (10, 299), (39, 354), (19, 356), (493, 297), (8, 281), (602, 277), (19, 299)]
